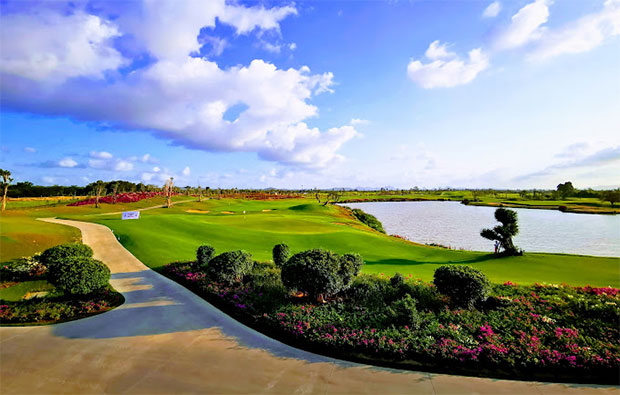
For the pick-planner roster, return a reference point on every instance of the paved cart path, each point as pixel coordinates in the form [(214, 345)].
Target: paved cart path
[(165, 339)]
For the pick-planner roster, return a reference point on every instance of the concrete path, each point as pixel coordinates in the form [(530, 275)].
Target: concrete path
[(165, 339)]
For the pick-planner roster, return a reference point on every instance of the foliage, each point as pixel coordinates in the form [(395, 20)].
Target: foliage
[(611, 196), (505, 232), (538, 331), (397, 280), (230, 267), (320, 273), (58, 309), (204, 254), (57, 255), (281, 253), (463, 284), (22, 269), (566, 189), (79, 275), (368, 219)]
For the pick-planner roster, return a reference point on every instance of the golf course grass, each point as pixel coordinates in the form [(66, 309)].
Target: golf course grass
[(162, 236)]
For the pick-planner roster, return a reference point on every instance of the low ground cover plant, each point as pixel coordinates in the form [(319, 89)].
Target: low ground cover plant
[(368, 219), (77, 285), (549, 332)]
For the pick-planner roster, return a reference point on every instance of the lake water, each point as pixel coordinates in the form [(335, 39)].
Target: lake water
[(458, 226)]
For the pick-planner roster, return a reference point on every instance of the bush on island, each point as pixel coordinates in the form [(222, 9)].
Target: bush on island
[(204, 253), (58, 254), (281, 253), (463, 284), (79, 275), (320, 273), (230, 267)]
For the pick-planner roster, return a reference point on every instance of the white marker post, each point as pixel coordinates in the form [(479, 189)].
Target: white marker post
[(131, 214)]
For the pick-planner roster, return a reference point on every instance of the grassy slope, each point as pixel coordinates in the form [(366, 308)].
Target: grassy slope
[(162, 236), (18, 291)]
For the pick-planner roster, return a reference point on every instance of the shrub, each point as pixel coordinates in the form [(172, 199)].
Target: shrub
[(315, 272), (230, 267), (350, 266), (368, 219), (463, 284), (21, 269), (367, 291), (204, 253), (397, 280), (79, 275), (281, 254), (404, 312), (60, 253), (263, 274)]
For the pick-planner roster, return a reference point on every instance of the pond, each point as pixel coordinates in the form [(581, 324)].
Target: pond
[(458, 226)]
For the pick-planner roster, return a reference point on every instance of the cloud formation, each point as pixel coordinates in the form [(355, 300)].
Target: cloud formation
[(177, 96), (446, 68), (492, 10), (525, 26)]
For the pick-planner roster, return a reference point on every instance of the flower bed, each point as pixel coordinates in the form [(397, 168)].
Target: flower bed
[(58, 309), (119, 198), (548, 332)]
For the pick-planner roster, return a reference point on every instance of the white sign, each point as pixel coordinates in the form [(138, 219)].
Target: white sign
[(131, 214)]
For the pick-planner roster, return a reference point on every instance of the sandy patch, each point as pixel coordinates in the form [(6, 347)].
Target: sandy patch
[(197, 211), (227, 212), (266, 211)]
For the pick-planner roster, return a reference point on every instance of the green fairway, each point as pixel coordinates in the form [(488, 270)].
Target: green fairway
[(162, 236)]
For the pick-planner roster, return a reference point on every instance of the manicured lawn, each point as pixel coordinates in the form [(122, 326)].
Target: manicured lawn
[(162, 236)]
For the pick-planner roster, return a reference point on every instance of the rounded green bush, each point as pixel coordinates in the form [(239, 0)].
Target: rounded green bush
[(230, 267), (281, 253), (60, 253), (79, 275), (350, 266), (463, 284), (204, 254), (315, 272)]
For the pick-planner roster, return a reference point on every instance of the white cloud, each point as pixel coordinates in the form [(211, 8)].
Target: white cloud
[(156, 169), (146, 158), (525, 26), (582, 35), (100, 154), (67, 162), (183, 98), (436, 50), (446, 69), (357, 121), (49, 46), (492, 10), (146, 177), (292, 46), (269, 47), (186, 171), (30, 149), (123, 165)]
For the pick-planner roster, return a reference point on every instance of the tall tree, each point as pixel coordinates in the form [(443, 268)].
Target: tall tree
[(168, 190), (114, 192), (504, 232), (566, 189), (608, 196), (99, 187), (6, 181)]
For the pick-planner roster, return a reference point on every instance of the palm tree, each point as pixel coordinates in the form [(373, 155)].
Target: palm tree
[(6, 181)]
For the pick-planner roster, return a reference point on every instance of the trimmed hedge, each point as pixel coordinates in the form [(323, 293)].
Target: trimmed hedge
[(281, 253), (79, 275), (204, 254), (58, 254), (230, 267), (463, 284)]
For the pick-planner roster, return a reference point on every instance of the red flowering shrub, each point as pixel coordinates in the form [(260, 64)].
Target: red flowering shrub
[(129, 197)]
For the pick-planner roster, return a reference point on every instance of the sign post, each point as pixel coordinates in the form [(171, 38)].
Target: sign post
[(131, 214)]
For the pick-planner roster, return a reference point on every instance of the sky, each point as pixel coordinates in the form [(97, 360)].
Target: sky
[(254, 94)]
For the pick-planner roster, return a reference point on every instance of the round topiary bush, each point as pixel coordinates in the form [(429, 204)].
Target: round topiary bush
[(79, 275), (204, 253), (315, 272), (397, 280), (60, 253), (230, 267), (463, 284), (350, 266), (281, 254)]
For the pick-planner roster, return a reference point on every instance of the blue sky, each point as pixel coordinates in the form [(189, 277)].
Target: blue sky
[(516, 94)]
